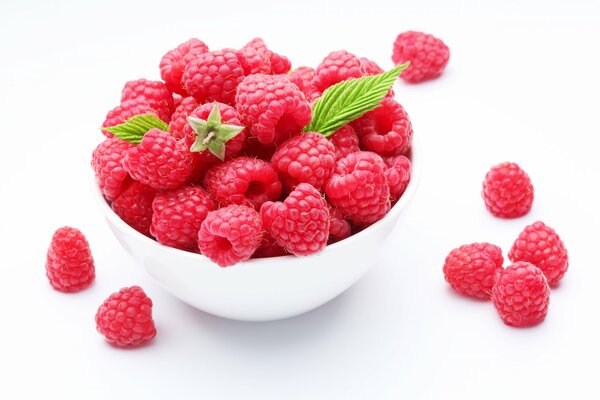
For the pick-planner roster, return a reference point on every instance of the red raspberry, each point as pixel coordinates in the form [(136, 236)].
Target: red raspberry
[(159, 161), (338, 66), (126, 110), (300, 224), (507, 191), (386, 130), (345, 141), (69, 262), (173, 64), (125, 318), (243, 180), (230, 234), (539, 245), (272, 107), (370, 67), (214, 76), (398, 175), (269, 248), (427, 54), (134, 206), (177, 99), (253, 61), (279, 64), (156, 94), (177, 216), (307, 158), (253, 148), (179, 118), (339, 228), (107, 163), (472, 269), (521, 295), (359, 188), (303, 78)]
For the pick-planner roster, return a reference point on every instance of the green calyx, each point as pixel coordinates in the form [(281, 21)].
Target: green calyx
[(212, 134)]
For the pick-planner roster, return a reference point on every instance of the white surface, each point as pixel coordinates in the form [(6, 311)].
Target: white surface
[(522, 85), (265, 289)]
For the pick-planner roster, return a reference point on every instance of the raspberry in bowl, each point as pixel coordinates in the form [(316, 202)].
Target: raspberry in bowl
[(263, 289)]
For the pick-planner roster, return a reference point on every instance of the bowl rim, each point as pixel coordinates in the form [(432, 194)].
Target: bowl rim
[(416, 171)]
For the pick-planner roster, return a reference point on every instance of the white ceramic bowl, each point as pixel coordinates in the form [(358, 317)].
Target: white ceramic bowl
[(269, 288)]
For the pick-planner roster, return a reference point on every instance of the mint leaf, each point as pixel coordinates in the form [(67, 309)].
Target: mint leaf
[(348, 100), (134, 129)]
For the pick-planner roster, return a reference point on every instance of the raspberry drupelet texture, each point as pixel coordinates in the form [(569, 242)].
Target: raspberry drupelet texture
[(299, 224), (243, 180), (178, 215), (159, 161), (370, 67), (472, 269), (303, 78), (507, 191), (173, 64), (398, 175), (358, 188), (345, 141), (134, 206), (253, 61), (386, 130), (339, 228), (338, 66), (156, 94), (107, 163), (126, 110), (427, 54), (177, 99), (307, 158), (69, 262), (521, 295), (214, 76), (541, 246), (278, 64), (272, 107), (269, 247), (230, 234), (179, 118), (125, 318)]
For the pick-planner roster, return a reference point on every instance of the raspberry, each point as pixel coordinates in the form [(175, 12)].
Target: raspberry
[(303, 78), (179, 121), (253, 61), (539, 245), (107, 163), (345, 141), (300, 224), (472, 269), (156, 94), (177, 99), (521, 295), (253, 148), (214, 76), (230, 234), (386, 130), (134, 206), (427, 54), (279, 64), (126, 110), (272, 107), (159, 161), (173, 64), (359, 188), (69, 262), (339, 228), (307, 158), (177, 216), (398, 175), (370, 67), (507, 191), (228, 116), (243, 180), (338, 66), (269, 248), (125, 318)]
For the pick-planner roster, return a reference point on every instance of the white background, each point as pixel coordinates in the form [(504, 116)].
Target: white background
[(522, 85)]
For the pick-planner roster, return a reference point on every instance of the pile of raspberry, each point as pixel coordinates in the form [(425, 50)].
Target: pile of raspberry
[(235, 176), (521, 291)]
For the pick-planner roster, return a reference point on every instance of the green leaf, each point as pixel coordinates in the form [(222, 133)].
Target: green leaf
[(134, 129), (349, 100)]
